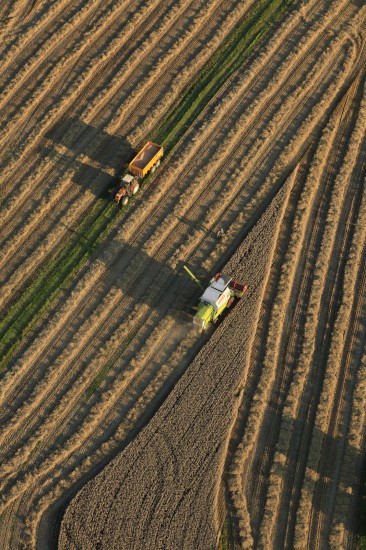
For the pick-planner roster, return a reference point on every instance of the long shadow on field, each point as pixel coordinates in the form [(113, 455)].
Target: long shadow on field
[(92, 141), (147, 279), (96, 156)]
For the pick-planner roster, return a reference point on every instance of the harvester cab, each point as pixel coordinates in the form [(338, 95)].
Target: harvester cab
[(129, 187), (218, 296)]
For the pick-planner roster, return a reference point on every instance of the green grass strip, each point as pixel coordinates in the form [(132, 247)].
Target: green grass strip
[(229, 539), (221, 66), (224, 543), (362, 521), (55, 275), (60, 270)]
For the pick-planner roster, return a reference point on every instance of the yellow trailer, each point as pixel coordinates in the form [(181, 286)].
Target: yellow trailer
[(147, 159)]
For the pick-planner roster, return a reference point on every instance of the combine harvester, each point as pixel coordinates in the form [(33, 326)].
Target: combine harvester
[(217, 297), (147, 160)]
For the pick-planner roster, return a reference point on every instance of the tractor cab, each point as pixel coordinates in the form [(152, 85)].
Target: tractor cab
[(129, 187)]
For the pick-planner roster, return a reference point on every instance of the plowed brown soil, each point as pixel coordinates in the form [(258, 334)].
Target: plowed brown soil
[(178, 459), (260, 419)]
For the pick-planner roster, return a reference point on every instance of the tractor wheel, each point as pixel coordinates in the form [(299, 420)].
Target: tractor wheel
[(230, 302), (124, 201), (153, 169), (136, 188)]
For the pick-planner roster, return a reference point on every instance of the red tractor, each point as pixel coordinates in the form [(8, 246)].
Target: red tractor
[(129, 187)]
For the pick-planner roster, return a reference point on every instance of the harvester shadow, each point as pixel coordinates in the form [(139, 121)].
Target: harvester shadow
[(148, 279)]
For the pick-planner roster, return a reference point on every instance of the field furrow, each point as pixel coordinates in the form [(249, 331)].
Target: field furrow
[(240, 436)]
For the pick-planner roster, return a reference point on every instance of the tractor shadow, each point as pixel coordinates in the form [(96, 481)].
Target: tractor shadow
[(96, 157)]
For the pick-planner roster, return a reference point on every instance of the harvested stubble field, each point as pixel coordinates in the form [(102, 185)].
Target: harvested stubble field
[(254, 432)]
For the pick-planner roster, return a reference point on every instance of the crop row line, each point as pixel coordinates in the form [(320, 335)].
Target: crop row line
[(278, 314), (38, 24), (355, 443), (48, 200), (25, 187), (281, 303), (106, 17), (123, 79), (236, 492), (227, 146), (341, 322), (134, 269), (101, 99), (93, 419), (79, 83), (130, 423)]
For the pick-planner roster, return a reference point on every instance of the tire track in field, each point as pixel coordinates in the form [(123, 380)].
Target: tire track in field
[(329, 419), (269, 523), (278, 311), (293, 460), (345, 513), (192, 243)]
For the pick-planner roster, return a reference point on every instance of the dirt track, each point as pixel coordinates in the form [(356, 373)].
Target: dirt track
[(95, 363)]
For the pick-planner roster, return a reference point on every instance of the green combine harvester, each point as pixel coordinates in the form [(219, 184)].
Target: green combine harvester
[(217, 297)]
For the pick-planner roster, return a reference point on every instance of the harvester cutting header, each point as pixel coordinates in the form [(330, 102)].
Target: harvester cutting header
[(217, 297), (147, 160)]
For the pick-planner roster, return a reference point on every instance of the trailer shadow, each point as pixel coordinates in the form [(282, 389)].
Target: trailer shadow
[(96, 157), (93, 142)]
